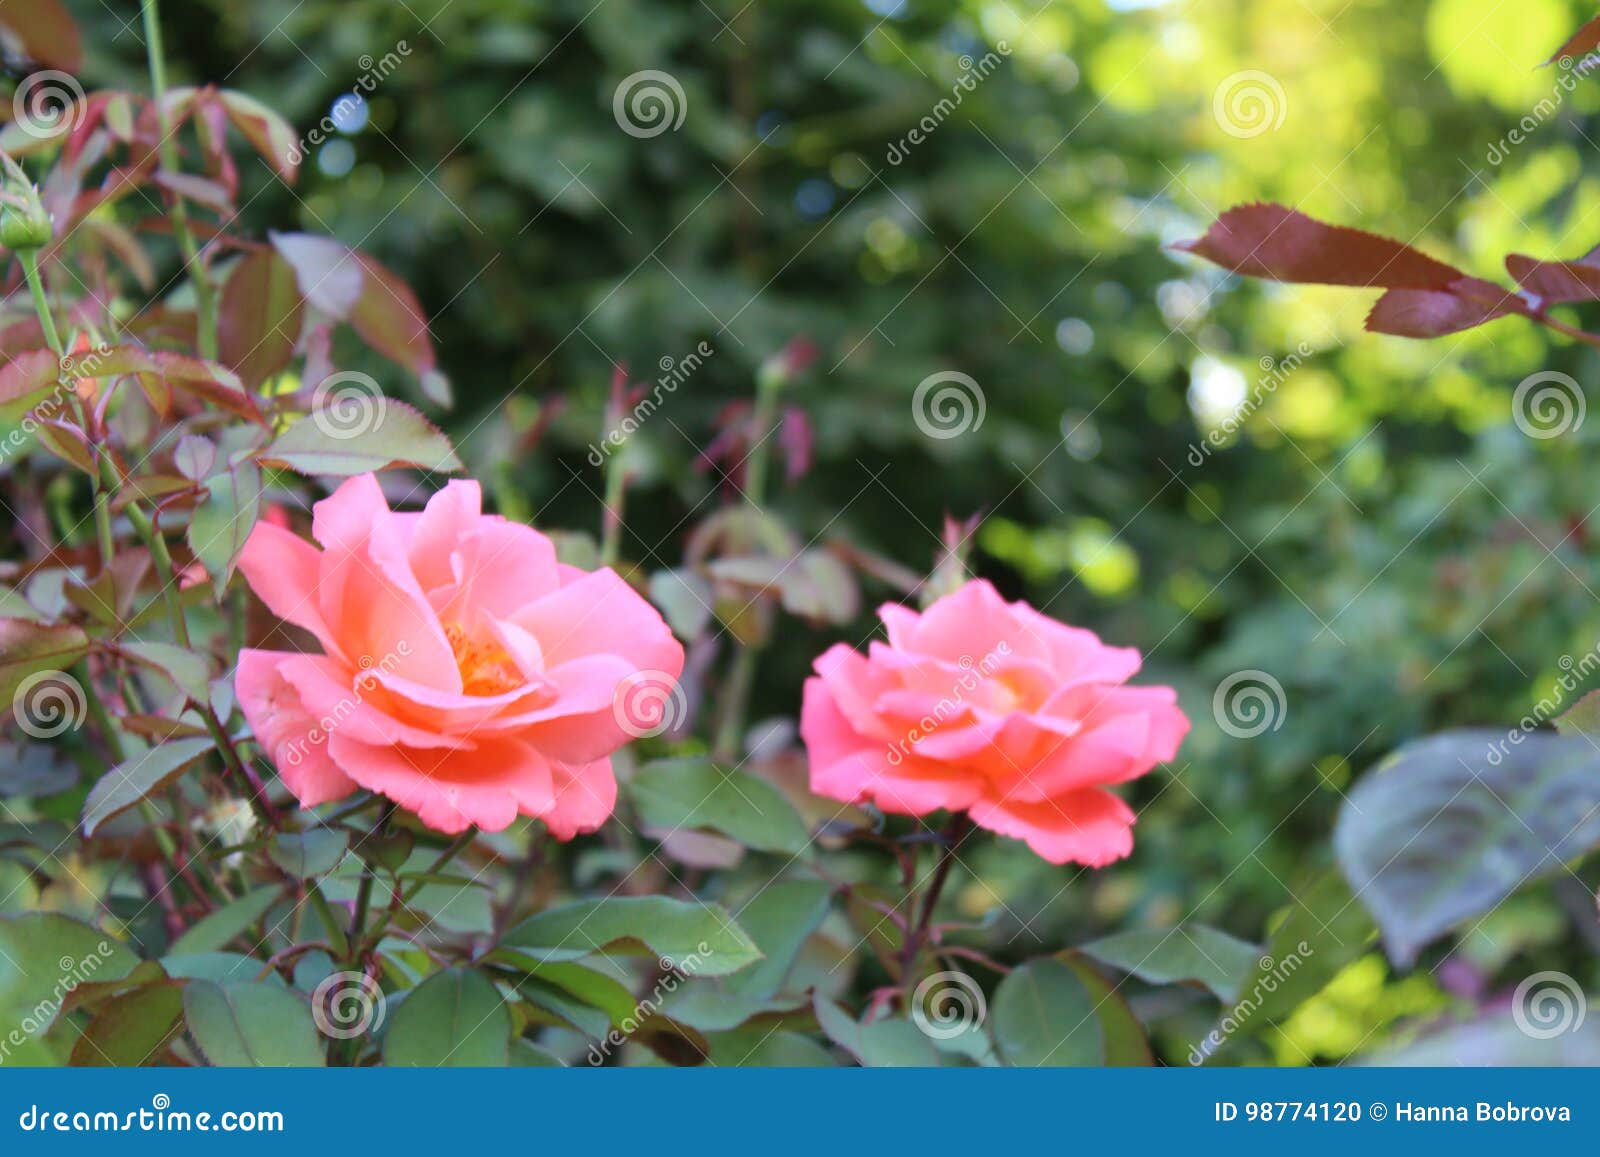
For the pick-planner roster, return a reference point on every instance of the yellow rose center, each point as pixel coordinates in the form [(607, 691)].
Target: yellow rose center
[(486, 669)]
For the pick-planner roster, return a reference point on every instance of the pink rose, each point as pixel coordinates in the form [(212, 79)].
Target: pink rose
[(466, 674), (989, 707)]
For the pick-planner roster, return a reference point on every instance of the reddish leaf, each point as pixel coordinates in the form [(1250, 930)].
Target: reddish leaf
[(330, 275), (259, 322), (1555, 282), (46, 32), (216, 384), (271, 135), (389, 318), (1433, 312), (1282, 244), (1583, 42), (27, 374), (68, 443), (201, 191)]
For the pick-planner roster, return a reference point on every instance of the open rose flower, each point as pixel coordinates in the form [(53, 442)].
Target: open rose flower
[(990, 707), (466, 674)]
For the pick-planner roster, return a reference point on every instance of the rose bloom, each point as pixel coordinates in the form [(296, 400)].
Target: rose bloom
[(991, 708), (466, 674)]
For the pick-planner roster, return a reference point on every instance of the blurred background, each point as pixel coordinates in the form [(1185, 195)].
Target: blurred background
[(1233, 477)]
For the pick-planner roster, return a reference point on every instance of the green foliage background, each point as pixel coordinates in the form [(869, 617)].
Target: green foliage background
[(1379, 537)]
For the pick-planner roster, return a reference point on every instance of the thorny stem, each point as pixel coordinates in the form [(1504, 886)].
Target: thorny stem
[(205, 299)]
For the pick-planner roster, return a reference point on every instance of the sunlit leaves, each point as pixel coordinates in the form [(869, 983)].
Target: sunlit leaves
[(393, 435)]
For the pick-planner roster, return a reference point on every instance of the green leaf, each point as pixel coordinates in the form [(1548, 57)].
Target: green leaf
[(132, 780), (1188, 952), (223, 521), (1125, 1040), (763, 1048), (216, 966), (314, 852), (889, 1042), (249, 1024), (698, 939), (44, 957), (696, 793), (390, 433), (526, 1055), (454, 1018), (185, 669), (1448, 827), (29, 648), (780, 919), (132, 1029), (227, 922), (1045, 1016)]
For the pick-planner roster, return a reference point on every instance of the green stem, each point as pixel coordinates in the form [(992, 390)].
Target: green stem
[(457, 846), (336, 936), (205, 300), (41, 303)]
